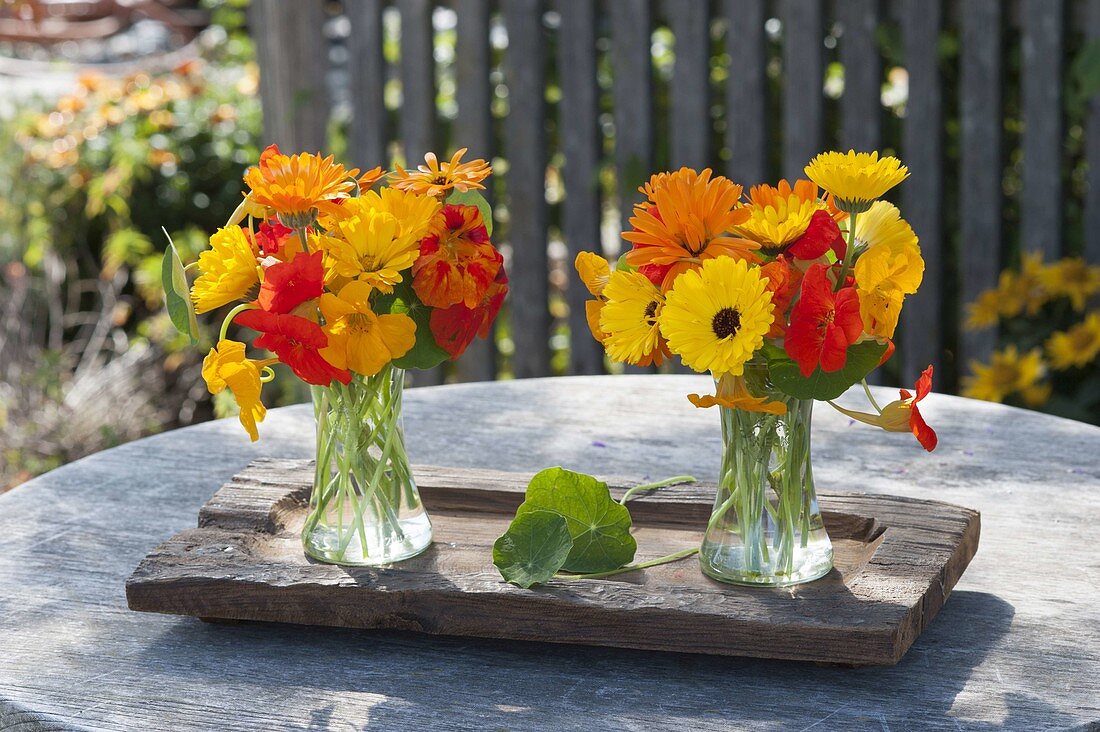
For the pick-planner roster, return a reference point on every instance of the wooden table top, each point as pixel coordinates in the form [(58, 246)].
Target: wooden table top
[(1016, 646)]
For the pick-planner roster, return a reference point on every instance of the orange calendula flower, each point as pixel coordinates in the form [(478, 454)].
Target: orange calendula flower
[(689, 222), (367, 180), (457, 261), (435, 179), (358, 339), (297, 187), (229, 270), (733, 392), (227, 367)]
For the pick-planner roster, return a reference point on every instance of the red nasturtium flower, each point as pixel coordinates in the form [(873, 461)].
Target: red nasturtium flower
[(456, 327), (289, 284), (823, 324), (457, 261), (272, 239), (296, 342), (820, 236), (925, 435)]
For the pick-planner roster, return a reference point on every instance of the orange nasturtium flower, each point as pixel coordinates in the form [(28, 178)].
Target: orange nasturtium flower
[(902, 415), (689, 221), (358, 339), (437, 180), (594, 272), (226, 367), (228, 270), (457, 261), (456, 327), (733, 392), (297, 187)]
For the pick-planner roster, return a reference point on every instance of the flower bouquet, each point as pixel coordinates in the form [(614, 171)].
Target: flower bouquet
[(347, 286), (789, 297)]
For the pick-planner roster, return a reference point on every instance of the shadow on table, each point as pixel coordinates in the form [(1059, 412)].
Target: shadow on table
[(325, 674)]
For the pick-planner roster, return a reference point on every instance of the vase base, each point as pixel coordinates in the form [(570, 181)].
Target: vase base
[(323, 544), (727, 564)]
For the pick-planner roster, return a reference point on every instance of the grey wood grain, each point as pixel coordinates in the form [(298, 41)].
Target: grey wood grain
[(292, 72), (895, 560), (525, 145), (689, 94), (473, 129), (981, 166), (803, 77), (1092, 147), (921, 333), (1042, 29), (746, 92), (861, 110), (632, 93), (1017, 646), (367, 79), (581, 143)]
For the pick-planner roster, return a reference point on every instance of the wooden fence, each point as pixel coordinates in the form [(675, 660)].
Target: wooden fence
[(998, 164)]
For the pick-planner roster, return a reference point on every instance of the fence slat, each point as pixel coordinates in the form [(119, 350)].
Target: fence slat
[(980, 165), (292, 78), (525, 145), (690, 92), (1041, 92), (473, 128), (746, 92), (922, 147), (861, 112), (416, 122), (367, 79), (1092, 148), (632, 91), (803, 99), (580, 143)]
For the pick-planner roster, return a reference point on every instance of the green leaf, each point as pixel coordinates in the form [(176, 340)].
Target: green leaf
[(533, 548), (599, 526), (622, 266), (862, 360), (177, 297), (474, 198), (425, 353)]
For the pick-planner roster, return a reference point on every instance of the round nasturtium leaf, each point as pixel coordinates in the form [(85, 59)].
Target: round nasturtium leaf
[(533, 548)]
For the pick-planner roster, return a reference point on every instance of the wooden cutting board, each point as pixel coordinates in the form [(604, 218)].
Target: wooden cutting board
[(896, 559)]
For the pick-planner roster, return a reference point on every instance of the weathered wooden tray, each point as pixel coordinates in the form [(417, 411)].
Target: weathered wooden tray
[(896, 562)]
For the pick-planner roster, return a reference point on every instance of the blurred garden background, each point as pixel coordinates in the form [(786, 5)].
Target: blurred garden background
[(124, 123)]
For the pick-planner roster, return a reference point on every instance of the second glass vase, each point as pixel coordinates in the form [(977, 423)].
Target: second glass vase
[(364, 509), (766, 527)]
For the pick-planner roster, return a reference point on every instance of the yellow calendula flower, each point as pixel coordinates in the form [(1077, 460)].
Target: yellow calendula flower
[(228, 270), (1008, 372), (359, 339), (733, 392), (629, 319), (226, 367), (856, 179), (370, 246), (414, 212), (984, 312), (1073, 278), (779, 215), (1076, 347), (716, 317)]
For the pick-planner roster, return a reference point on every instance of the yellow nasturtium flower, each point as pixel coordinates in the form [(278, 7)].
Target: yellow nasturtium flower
[(890, 268), (359, 339), (227, 367), (228, 270)]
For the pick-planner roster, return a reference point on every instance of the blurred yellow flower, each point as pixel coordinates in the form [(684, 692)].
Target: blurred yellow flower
[(985, 311), (1073, 278), (229, 270), (856, 179), (1076, 347), (1007, 373), (1023, 291)]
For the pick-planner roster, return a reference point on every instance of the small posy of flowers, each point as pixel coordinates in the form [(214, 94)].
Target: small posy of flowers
[(339, 277), (803, 282), (1050, 325)]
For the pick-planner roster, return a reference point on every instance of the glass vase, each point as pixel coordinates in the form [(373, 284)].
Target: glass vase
[(364, 509), (766, 527)]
